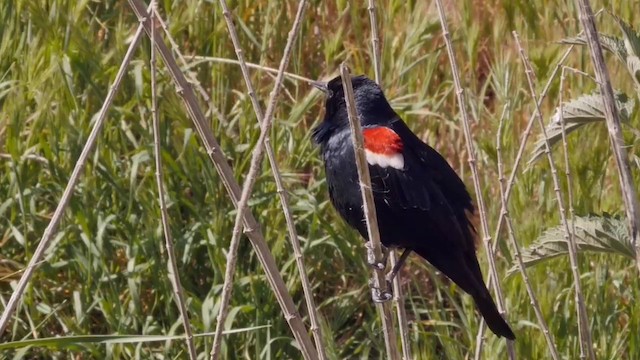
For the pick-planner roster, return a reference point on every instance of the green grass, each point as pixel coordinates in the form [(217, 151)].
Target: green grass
[(106, 271)]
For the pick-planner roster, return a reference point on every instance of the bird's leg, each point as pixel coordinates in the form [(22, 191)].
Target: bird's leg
[(380, 296), (396, 268), (371, 257)]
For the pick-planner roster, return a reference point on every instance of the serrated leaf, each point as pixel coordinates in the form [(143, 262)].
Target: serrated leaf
[(631, 42), (631, 38), (602, 234), (613, 44), (633, 65), (578, 112)]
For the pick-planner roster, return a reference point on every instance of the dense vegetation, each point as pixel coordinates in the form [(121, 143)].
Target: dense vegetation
[(106, 270)]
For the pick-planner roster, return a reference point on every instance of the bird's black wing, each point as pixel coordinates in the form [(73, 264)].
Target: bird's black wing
[(427, 189), (438, 168)]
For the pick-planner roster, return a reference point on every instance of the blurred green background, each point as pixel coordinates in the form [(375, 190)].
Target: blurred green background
[(106, 271)]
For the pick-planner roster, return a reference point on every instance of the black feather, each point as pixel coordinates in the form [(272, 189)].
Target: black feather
[(423, 207)]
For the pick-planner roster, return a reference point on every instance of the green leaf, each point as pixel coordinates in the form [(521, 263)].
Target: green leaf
[(631, 38), (579, 112), (632, 46), (62, 342), (603, 234), (613, 44), (633, 65)]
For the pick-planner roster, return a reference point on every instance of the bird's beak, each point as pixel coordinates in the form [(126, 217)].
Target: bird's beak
[(322, 86)]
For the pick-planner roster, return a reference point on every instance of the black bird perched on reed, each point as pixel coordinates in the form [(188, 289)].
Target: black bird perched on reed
[(421, 203)]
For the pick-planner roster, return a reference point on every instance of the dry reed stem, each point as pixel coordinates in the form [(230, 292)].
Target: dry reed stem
[(202, 59), (219, 161), (523, 142), (369, 209), (401, 312), (192, 78), (315, 324), (586, 346), (533, 300), (518, 160), (316, 329), (565, 147), (398, 297), (174, 276), (375, 41), (254, 168), (50, 230), (486, 235), (629, 193)]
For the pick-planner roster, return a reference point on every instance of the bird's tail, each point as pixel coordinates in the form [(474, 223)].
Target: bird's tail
[(492, 317), (466, 274)]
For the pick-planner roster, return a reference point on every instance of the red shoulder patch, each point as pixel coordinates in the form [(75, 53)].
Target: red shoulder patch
[(382, 140)]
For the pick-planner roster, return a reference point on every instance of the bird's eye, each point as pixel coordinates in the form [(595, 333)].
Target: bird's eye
[(329, 94)]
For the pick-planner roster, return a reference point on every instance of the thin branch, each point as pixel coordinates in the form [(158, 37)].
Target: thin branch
[(516, 165), (523, 143), (375, 41), (202, 59), (219, 161), (174, 276), (565, 147), (316, 329), (256, 161), (398, 297), (586, 346), (629, 193), (401, 312), (192, 78), (533, 300), (369, 208), (486, 235), (47, 236)]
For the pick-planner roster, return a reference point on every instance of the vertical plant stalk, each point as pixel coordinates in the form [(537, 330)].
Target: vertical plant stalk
[(401, 312), (174, 275), (213, 59), (398, 297), (50, 231), (256, 161), (486, 234), (369, 209), (316, 329), (586, 346), (375, 41), (533, 300), (565, 147), (219, 161), (523, 143), (525, 138), (516, 165), (176, 50), (629, 193)]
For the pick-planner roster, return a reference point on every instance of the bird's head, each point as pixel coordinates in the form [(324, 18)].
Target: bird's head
[(371, 105)]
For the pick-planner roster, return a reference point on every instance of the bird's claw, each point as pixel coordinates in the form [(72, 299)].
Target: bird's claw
[(381, 296), (378, 265), (375, 263)]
